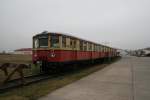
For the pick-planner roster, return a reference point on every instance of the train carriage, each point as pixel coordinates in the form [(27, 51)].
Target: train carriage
[(57, 48)]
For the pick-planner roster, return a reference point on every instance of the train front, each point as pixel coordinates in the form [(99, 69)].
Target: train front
[(45, 49)]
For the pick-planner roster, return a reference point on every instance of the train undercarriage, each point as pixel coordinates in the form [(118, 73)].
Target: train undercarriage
[(46, 66)]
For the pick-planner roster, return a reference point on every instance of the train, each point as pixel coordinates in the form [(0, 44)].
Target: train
[(55, 49)]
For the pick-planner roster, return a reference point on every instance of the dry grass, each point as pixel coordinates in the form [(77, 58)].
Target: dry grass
[(15, 58)]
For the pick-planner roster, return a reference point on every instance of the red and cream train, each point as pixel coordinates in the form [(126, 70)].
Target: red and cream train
[(51, 49)]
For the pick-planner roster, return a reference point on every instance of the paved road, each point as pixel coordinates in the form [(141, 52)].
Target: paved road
[(127, 79)]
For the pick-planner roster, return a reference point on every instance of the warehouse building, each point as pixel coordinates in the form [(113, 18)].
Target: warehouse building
[(25, 51)]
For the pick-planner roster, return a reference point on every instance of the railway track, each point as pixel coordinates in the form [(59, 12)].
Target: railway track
[(28, 80)]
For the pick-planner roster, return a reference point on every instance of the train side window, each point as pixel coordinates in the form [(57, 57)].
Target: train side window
[(103, 49), (100, 48), (81, 45), (71, 43), (63, 41), (74, 43), (55, 41), (94, 47), (85, 46), (90, 46), (68, 42), (97, 48)]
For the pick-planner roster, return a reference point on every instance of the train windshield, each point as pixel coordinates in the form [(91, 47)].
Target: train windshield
[(41, 42), (54, 41)]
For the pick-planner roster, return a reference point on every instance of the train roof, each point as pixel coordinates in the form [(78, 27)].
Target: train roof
[(69, 35)]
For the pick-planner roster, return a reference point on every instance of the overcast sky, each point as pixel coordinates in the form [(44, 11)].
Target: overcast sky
[(120, 23)]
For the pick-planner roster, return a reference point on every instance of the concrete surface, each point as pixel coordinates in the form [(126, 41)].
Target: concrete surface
[(127, 79)]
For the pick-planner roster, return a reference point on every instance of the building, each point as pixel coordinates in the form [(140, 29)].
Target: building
[(25, 51), (141, 52), (122, 52)]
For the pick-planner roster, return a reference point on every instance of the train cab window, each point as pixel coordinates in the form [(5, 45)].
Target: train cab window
[(63, 41), (43, 42), (36, 43), (54, 41)]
